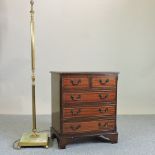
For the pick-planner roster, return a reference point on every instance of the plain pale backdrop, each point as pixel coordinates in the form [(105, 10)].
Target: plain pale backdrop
[(78, 35)]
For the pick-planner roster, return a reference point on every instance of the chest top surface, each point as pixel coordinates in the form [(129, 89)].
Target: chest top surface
[(83, 72)]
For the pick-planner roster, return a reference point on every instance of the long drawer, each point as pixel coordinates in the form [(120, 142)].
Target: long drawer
[(89, 97), (99, 111), (80, 127)]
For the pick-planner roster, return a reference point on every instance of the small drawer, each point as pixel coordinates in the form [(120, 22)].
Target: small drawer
[(80, 82), (98, 111), (89, 97), (80, 127), (103, 81)]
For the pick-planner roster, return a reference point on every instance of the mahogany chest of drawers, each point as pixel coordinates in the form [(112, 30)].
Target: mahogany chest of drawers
[(84, 105)]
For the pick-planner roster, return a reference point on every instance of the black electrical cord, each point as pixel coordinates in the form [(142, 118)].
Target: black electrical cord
[(15, 144)]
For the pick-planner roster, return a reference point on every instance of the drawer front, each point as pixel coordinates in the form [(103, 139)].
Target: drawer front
[(89, 97), (103, 81), (99, 111), (80, 127), (80, 82)]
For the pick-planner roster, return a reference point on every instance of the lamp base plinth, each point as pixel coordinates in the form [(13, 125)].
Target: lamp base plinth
[(31, 140)]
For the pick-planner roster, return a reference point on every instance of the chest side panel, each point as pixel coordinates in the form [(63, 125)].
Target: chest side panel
[(56, 93)]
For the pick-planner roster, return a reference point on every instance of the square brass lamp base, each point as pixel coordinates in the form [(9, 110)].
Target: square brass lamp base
[(31, 140)]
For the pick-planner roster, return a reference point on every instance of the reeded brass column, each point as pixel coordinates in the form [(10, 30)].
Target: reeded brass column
[(32, 24)]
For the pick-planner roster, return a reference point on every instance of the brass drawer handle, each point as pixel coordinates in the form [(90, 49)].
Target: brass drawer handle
[(75, 82), (75, 127), (75, 98), (103, 82), (102, 126), (74, 113), (103, 97), (101, 110)]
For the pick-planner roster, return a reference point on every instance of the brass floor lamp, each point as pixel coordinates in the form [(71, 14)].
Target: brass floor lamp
[(33, 138)]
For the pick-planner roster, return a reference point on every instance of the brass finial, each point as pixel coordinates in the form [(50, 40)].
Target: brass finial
[(32, 3)]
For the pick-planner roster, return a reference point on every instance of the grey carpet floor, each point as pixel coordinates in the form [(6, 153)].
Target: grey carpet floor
[(136, 137)]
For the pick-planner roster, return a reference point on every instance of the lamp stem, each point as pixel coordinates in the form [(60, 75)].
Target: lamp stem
[(32, 24)]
